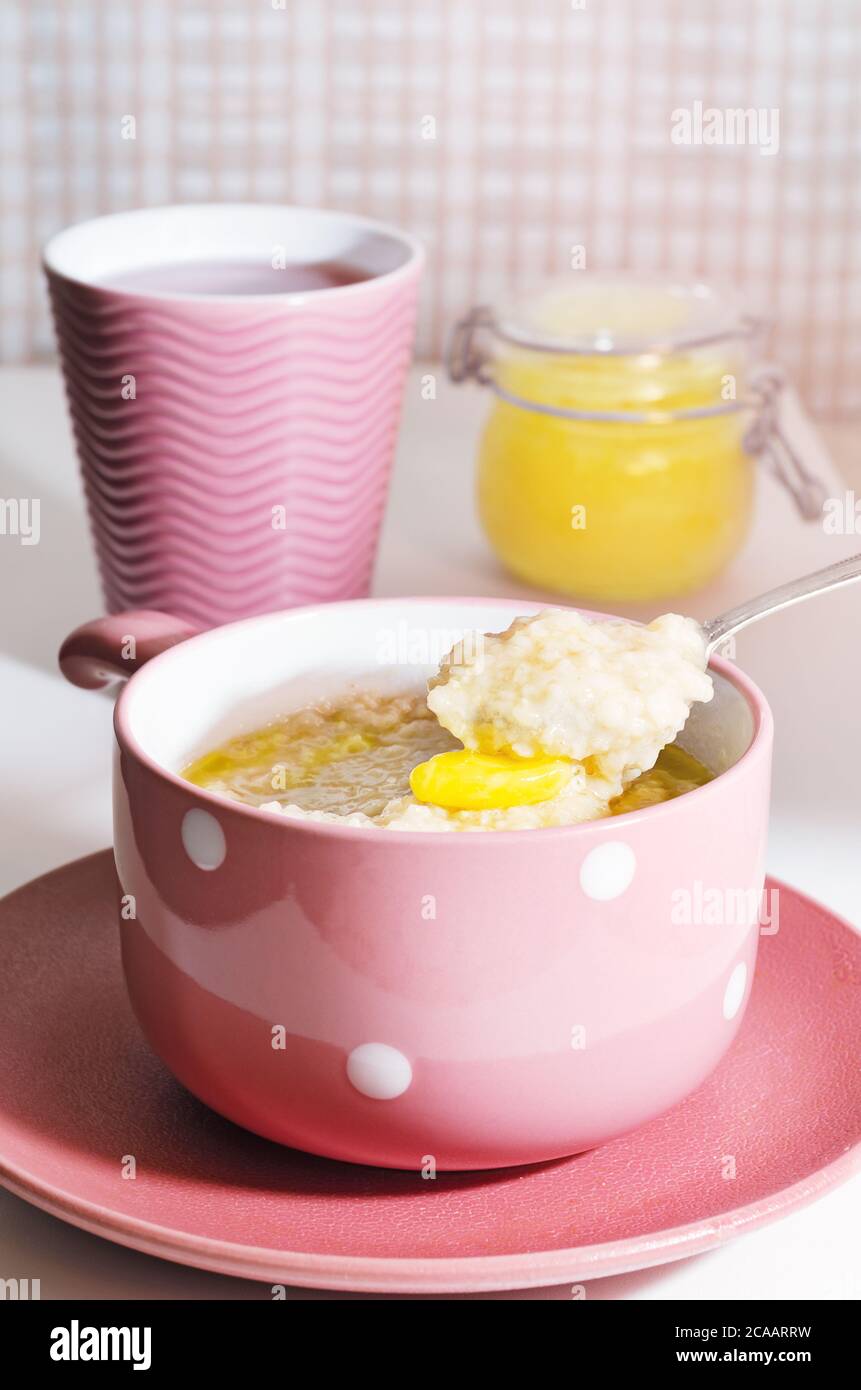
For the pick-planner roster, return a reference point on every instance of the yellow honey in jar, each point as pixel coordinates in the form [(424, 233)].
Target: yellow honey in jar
[(612, 465)]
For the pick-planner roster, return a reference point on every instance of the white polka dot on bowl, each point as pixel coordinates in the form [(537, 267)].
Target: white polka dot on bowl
[(734, 992), (379, 1071), (608, 870), (203, 839)]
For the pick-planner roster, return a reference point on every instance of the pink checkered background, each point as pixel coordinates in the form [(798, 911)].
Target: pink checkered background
[(502, 132)]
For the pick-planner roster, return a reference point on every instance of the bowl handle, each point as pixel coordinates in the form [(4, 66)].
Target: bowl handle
[(111, 649)]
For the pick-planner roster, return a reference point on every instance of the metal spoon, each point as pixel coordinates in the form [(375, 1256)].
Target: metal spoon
[(717, 630)]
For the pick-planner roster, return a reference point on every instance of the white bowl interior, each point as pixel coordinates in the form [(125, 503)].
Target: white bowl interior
[(236, 679), (96, 251)]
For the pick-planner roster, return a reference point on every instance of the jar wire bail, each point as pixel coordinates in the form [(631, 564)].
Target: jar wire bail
[(767, 440)]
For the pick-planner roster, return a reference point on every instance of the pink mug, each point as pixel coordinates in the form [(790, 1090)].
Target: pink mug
[(409, 999), (235, 446)]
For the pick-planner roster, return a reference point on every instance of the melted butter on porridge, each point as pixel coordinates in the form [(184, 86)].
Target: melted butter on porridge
[(551, 723), (347, 758)]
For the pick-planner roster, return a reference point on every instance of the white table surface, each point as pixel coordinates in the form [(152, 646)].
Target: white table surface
[(55, 802)]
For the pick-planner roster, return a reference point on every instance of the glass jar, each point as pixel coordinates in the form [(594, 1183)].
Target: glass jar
[(616, 462)]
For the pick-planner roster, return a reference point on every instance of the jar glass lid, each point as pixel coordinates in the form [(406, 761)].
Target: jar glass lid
[(622, 314)]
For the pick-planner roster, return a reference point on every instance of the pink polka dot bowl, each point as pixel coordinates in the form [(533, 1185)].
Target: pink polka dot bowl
[(405, 999)]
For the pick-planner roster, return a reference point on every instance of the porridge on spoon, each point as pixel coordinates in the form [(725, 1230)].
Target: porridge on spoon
[(557, 720)]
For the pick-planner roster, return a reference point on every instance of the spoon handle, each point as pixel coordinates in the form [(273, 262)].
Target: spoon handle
[(718, 629)]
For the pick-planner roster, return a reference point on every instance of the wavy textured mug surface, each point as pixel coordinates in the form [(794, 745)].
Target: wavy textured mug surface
[(235, 454)]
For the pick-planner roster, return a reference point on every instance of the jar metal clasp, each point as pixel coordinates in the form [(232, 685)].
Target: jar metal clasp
[(766, 439), (463, 359)]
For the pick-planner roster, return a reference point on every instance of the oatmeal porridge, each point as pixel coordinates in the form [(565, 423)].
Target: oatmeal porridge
[(560, 685), (555, 721)]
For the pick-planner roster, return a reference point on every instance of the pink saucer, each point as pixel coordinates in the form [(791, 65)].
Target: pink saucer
[(80, 1091)]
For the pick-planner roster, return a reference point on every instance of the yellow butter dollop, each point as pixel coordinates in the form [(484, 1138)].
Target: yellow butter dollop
[(465, 780)]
